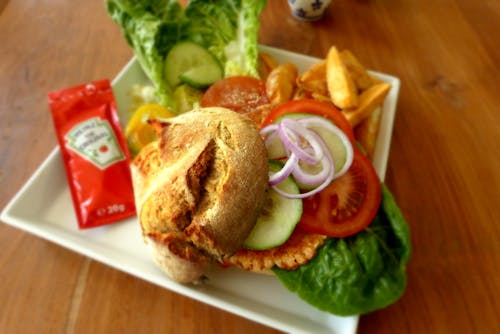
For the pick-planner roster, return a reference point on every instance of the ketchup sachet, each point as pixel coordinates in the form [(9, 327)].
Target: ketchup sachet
[(94, 151)]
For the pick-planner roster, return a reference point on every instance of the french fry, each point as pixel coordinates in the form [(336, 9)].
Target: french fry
[(367, 131), (358, 72), (266, 63), (322, 98), (340, 85), (281, 83), (301, 93), (314, 79), (368, 100)]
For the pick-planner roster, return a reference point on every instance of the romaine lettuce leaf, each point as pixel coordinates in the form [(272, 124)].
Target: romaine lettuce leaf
[(151, 28), (227, 28), (358, 274)]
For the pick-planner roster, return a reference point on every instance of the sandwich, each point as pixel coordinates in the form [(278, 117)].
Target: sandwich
[(199, 189)]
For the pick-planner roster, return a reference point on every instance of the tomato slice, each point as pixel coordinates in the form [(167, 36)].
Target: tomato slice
[(239, 93), (347, 205), (312, 107)]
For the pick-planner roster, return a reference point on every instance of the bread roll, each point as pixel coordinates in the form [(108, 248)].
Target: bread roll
[(199, 189)]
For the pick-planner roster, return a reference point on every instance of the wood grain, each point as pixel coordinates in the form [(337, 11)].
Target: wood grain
[(443, 167)]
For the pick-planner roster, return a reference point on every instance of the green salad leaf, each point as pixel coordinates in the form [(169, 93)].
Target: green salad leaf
[(227, 28), (151, 28), (358, 274)]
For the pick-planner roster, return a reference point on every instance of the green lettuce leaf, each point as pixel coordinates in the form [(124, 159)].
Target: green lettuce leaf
[(358, 274), (151, 28), (227, 28)]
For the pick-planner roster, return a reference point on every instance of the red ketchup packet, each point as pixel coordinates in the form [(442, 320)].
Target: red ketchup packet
[(95, 155)]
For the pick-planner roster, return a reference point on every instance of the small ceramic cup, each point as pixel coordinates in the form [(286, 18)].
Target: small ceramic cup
[(308, 10)]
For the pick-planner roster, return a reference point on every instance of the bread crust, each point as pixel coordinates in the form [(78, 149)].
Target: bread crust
[(205, 178), (178, 258)]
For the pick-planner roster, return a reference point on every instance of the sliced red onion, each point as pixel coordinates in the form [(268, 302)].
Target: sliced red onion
[(270, 137), (303, 144), (283, 173), (322, 186), (274, 145), (327, 165), (318, 121), (267, 129), (291, 132), (309, 179)]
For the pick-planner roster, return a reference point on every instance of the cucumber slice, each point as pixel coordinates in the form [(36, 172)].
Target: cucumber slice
[(201, 76), (335, 145), (279, 216), (191, 63)]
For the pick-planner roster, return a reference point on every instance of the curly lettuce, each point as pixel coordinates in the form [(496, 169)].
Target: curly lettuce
[(358, 274)]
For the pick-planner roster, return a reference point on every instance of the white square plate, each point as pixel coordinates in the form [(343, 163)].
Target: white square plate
[(43, 207)]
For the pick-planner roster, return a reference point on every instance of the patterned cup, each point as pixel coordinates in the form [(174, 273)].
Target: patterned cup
[(308, 10)]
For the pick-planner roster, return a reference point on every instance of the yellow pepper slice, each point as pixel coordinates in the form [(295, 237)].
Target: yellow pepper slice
[(138, 132)]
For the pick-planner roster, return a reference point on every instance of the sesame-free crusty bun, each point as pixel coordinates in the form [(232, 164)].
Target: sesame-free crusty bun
[(199, 189)]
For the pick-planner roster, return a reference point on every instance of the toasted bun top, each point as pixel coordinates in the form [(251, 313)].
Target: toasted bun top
[(206, 177)]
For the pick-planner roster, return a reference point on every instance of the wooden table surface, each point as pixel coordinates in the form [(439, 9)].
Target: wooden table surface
[(443, 167)]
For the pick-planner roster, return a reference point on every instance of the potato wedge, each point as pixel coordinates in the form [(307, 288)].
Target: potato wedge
[(301, 93), (266, 63), (322, 98), (340, 85), (358, 72), (367, 131), (314, 79), (368, 100), (281, 83)]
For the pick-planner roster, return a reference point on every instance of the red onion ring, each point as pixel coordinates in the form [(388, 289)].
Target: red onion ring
[(322, 186), (270, 128), (318, 121), (283, 173), (303, 144), (291, 132), (316, 179), (271, 136)]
